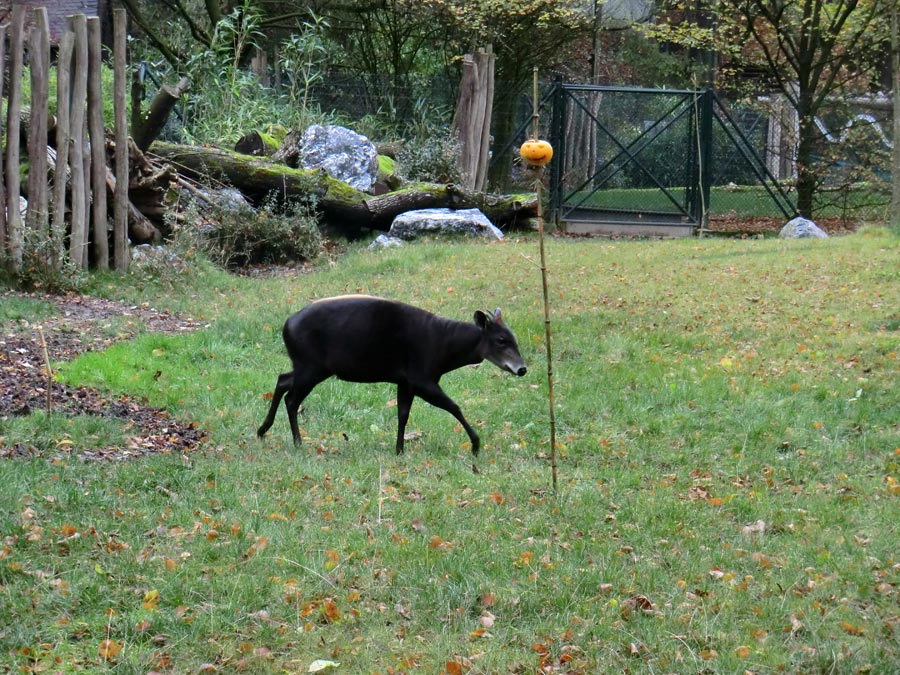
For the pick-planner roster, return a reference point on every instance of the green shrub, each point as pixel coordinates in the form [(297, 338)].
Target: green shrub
[(431, 157), (234, 237)]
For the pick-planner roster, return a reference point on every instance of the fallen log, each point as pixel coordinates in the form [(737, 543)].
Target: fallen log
[(340, 205)]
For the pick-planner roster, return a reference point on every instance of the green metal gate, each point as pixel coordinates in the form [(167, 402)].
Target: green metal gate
[(648, 159)]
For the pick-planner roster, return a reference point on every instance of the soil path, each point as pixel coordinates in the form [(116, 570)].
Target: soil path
[(81, 324)]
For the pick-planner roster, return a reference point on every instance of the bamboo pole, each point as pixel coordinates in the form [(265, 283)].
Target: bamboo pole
[(14, 231), (98, 146), (538, 186), (120, 199), (78, 239)]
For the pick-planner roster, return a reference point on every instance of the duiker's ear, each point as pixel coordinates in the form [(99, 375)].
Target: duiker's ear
[(481, 319), (498, 316)]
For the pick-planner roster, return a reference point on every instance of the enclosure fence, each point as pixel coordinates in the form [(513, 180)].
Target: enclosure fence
[(65, 219)]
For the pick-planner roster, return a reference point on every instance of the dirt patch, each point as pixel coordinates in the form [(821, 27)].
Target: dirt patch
[(749, 227), (81, 324)]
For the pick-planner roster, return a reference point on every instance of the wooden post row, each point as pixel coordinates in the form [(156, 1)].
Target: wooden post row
[(79, 112), (14, 232)]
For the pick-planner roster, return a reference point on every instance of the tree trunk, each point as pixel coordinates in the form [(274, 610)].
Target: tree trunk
[(160, 108), (341, 205), (806, 172)]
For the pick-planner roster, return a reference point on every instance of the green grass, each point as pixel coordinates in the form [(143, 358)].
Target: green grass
[(742, 202), (702, 386)]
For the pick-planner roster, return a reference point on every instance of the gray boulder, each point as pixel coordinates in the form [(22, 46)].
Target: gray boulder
[(802, 228), (412, 224), (342, 153), (386, 241)]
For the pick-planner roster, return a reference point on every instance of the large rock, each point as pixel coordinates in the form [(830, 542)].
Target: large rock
[(385, 241), (802, 228), (344, 154), (412, 224)]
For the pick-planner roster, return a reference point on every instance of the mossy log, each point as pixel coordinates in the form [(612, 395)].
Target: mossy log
[(342, 206)]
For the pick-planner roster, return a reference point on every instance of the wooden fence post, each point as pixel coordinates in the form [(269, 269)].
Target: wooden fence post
[(472, 120), (120, 201), (36, 221), (78, 237), (98, 146), (2, 158), (63, 138), (2, 173), (14, 232)]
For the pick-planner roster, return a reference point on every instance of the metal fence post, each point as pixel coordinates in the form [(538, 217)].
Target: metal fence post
[(558, 141), (706, 154)]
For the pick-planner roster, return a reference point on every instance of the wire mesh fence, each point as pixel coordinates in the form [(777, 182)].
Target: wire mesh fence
[(627, 148)]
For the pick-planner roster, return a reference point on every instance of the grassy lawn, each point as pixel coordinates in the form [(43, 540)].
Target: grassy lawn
[(729, 438), (741, 202)]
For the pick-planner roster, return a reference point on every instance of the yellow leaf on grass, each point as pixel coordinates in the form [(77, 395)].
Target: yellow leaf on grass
[(334, 559), (151, 600)]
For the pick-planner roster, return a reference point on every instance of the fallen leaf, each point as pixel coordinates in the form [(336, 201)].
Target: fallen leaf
[(331, 611), (759, 527), (151, 600), (636, 603), (438, 543), (109, 649), (850, 629), (487, 620)]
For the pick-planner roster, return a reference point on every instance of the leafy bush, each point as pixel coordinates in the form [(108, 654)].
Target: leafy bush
[(431, 157), (233, 237)]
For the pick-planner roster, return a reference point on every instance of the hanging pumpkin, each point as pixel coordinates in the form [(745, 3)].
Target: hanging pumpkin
[(536, 153)]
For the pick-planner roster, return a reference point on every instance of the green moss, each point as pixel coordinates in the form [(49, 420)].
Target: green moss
[(386, 165)]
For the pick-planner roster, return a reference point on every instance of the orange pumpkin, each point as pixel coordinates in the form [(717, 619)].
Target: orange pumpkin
[(536, 153)]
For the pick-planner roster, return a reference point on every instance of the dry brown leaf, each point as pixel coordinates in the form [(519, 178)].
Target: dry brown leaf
[(109, 650)]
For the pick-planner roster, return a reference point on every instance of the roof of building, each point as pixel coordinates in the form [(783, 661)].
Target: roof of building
[(58, 12)]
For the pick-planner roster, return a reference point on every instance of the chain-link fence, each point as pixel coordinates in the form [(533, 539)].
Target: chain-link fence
[(671, 153)]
